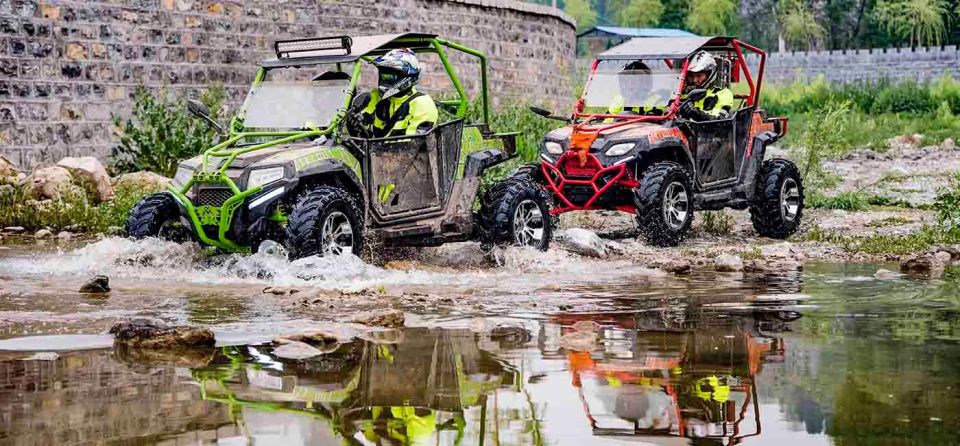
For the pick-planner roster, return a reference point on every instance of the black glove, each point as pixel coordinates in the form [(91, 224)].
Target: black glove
[(689, 111)]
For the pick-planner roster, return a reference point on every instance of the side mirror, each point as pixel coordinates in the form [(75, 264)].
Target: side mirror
[(540, 111), (696, 95), (201, 111)]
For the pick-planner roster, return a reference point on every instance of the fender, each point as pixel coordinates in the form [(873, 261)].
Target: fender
[(324, 168), (752, 168)]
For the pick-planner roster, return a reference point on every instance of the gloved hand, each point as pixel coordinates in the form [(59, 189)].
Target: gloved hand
[(689, 111)]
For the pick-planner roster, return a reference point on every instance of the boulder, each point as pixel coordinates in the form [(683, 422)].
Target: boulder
[(146, 333), (98, 284), (43, 233), (905, 141), (51, 182), (9, 174), (948, 144), (582, 241), (885, 274), (14, 230), (296, 350), (309, 337), (193, 357), (380, 318), (142, 181), (928, 263), (89, 170), (728, 263), (678, 267), (579, 341), (65, 235)]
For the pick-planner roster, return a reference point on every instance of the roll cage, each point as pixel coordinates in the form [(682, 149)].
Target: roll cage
[(670, 49)]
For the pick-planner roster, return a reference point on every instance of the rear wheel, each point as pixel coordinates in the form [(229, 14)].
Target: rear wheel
[(324, 221), (156, 215), (515, 211), (664, 202), (778, 205)]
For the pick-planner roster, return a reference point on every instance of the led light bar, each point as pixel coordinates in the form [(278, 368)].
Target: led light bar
[(319, 46)]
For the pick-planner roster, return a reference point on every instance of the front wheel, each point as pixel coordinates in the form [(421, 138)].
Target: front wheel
[(156, 215), (324, 221), (664, 202), (778, 204), (515, 211)]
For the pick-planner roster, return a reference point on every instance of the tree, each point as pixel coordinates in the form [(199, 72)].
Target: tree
[(581, 11), (799, 26), (711, 17), (923, 22), (640, 13)]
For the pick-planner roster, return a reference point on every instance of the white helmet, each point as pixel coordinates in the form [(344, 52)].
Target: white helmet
[(703, 62)]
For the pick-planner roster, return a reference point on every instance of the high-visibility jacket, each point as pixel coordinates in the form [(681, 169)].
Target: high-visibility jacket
[(409, 114), (717, 103)]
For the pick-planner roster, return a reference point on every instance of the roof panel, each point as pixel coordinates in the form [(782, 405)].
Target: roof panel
[(636, 32), (655, 48)]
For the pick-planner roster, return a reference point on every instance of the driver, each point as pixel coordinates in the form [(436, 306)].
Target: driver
[(395, 107), (702, 73)]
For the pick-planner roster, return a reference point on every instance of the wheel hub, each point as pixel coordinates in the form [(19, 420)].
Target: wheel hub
[(789, 200), (528, 224), (337, 234), (676, 206)]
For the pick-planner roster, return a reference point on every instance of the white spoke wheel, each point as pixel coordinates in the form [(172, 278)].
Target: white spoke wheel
[(676, 205), (528, 224), (337, 234)]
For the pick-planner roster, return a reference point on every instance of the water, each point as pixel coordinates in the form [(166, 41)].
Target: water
[(826, 356)]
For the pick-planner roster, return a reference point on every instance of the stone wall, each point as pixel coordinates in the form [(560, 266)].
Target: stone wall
[(67, 67), (867, 65)]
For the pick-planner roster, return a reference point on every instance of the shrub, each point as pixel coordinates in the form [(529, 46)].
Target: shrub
[(820, 140), (162, 132), (73, 209), (947, 205), (717, 222)]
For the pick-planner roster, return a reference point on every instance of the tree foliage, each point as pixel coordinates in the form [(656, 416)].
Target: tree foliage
[(581, 11), (799, 26), (923, 22), (711, 17), (640, 13)]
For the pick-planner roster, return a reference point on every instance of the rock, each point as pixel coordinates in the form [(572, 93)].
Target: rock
[(587, 326), (64, 235), (146, 333), (9, 174), (885, 274), (14, 230), (51, 182), (98, 284), (953, 250), (296, 350), (382, 336), (280, 291), (192, 357), (728, 263), (905, 141), (677, 267), (948, 144), (579, 341), (582, 241), (142, 181), (928, 263), (380, 318), (43, 233), (838, 213), (897, 171), (89, 170), (308, 336), (42, 356)]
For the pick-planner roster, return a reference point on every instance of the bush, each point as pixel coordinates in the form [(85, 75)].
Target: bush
[(74, 209), (947, 205), (162, 132), (820, 140)]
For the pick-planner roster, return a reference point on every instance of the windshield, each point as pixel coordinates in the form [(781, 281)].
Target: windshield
[(285, 104), (621, 84)]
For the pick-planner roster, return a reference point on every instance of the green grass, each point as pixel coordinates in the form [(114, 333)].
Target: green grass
[(848, 201), (716, 222), (920, 241), (74, 210)]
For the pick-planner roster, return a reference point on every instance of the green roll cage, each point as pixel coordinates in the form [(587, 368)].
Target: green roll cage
[(223, 216)]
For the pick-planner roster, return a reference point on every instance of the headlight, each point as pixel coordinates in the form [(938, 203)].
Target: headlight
[(553, 148), (620, 149), (182, 177), (259, 177)]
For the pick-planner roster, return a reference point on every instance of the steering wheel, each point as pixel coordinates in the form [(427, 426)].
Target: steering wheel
[(353, 121)]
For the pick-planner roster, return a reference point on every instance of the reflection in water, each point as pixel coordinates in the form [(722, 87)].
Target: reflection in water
[(701, 369)]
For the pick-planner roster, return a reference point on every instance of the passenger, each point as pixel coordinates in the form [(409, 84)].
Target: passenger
[(640, 73), (702, 73), (395, 107)]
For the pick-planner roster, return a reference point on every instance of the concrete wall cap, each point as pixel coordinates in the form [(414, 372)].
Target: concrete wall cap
[(531, 8)]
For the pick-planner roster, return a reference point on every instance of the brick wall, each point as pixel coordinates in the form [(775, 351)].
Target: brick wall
[(67, 66), (867, 65)]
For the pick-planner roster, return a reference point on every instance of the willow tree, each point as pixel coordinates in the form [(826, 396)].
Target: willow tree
[(640, 13), (923, 22), (711, 17), (798, 25), (581, 11)]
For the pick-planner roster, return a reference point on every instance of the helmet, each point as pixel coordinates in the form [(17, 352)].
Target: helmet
[(703, 62), (637, 66), (398, 71)]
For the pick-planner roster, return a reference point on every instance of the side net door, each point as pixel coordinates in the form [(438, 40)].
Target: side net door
[(411, 176)]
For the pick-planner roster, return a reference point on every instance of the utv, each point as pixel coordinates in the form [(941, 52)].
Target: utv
[(289, 170), (659, 165)]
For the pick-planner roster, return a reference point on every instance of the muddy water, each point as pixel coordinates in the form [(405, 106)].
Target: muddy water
[(829, 355)]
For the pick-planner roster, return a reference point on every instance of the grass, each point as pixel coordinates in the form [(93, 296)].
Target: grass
[(919, 241), (847, 201), (73, 210), (716, 222), (889, 221)]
